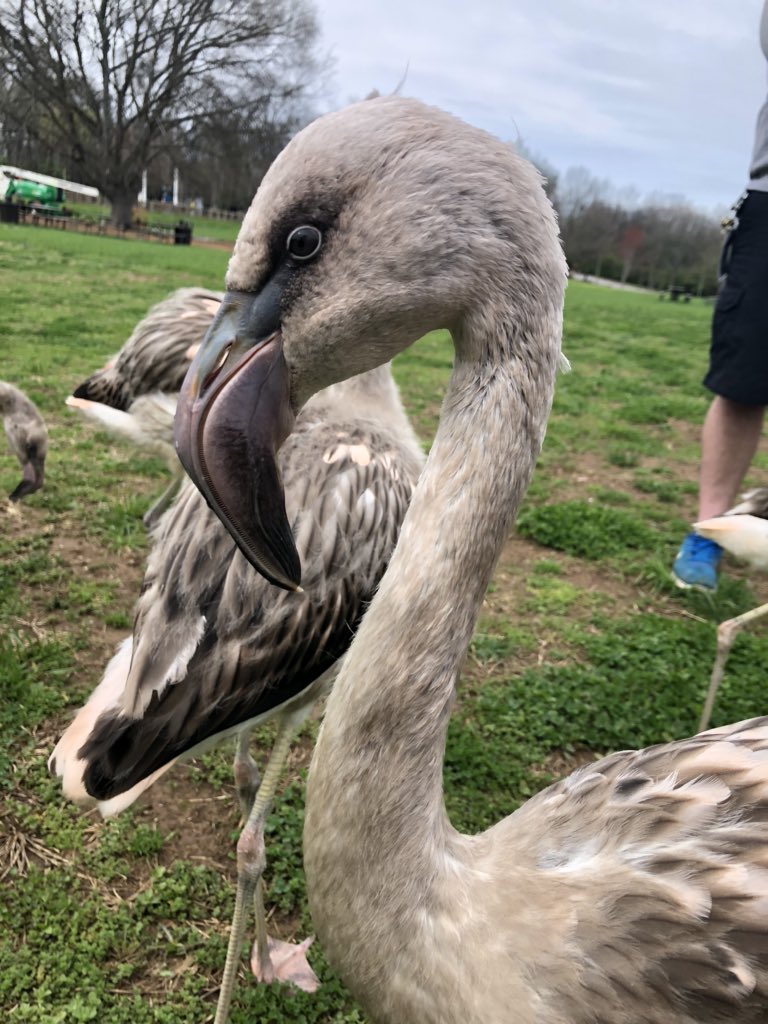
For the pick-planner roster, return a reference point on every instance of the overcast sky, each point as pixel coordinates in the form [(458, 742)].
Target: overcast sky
[(659, 94)]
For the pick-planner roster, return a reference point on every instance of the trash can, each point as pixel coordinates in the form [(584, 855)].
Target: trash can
[(182, 233), (9, 213)]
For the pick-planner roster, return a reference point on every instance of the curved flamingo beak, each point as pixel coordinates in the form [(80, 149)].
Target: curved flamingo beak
[(233, 414)]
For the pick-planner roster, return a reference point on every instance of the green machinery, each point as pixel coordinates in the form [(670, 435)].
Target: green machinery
[(19, 190)]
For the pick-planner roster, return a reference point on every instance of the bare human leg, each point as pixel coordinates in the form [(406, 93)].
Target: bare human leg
[(729, 440)]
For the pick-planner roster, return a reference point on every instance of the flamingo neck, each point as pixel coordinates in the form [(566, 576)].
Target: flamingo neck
[(376, 832), (7, 399)]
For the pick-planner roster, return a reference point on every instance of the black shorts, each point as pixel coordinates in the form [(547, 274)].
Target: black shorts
[(738, 358)]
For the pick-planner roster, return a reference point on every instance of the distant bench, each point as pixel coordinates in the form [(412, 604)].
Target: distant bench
[(675, 292)]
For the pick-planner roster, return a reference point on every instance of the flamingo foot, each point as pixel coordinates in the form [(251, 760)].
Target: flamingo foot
[(286, 962)]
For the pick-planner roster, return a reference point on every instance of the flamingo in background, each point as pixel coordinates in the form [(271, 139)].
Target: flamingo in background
[(27, 438), (134, 394), (216, 649)]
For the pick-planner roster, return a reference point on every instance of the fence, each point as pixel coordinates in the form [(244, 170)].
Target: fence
[(188, 210), (178, 234)]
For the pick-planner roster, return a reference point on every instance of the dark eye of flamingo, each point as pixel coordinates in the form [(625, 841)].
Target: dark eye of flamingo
[(303, 243)]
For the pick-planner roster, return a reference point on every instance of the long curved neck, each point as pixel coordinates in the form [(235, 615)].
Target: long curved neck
[(7, 399), (375, 822)]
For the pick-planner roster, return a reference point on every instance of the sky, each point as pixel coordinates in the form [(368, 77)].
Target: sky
[(661, 95)]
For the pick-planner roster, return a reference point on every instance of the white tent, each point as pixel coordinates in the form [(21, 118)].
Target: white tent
[(7, 172)]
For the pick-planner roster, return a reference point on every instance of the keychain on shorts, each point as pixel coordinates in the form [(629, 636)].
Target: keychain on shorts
[(731, 222), (729, 225)]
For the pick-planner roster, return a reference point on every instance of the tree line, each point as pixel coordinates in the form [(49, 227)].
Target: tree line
[(656, 242), (98, 92)]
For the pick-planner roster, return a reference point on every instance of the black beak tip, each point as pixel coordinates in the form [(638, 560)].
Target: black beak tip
[(290, 582)]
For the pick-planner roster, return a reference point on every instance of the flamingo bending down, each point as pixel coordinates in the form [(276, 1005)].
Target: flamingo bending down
[(637, 888), (216, 649), (134, 394), (27, 438), (743, 531)]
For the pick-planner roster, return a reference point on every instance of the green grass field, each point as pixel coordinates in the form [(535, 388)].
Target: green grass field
[(202, 227), (583, 645)]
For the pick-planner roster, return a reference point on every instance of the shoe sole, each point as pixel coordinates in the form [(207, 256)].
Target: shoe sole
[(701, 587)]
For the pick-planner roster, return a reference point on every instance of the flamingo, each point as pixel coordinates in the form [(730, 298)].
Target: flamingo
[(27, 438), (634, 890), (216, 650), (134, 394)]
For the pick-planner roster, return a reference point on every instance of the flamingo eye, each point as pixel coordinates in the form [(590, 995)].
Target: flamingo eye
[(304, 243)]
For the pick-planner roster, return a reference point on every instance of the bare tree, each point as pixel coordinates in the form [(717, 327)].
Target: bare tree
[(632, 238), (109, 84), (547, 170), (578, 188), (223, 159)]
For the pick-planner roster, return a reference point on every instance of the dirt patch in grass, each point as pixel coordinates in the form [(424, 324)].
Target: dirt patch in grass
[(88, 560), (19, 519), (589, 469), (199, 819), (519, 558), (75, 557), (195, 818), (684, 433)]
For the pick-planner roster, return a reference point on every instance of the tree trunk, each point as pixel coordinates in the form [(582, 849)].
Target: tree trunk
[(122, 209)]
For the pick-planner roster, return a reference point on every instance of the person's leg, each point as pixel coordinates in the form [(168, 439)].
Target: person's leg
[(738, 369), (729, 440)]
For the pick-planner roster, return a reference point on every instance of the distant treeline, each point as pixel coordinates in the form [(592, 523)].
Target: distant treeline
[(656, 242)]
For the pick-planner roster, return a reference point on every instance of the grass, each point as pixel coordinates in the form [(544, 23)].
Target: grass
[(212, 228), (583, 645)]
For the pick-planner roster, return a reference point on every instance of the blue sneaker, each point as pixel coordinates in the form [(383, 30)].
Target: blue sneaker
[(696, 563)]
